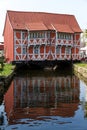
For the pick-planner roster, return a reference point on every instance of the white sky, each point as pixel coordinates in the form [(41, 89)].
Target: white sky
[(75, 7)]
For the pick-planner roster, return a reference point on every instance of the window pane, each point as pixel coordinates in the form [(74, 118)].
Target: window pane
[(58, 50), (24, 50), (23, 35), (67, 50), (36, 49)]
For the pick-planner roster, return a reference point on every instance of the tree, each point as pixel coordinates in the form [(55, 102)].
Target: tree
[(2, 62), (84, 38)]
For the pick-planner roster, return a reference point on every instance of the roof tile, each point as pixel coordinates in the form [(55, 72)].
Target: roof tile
[(63, 28), (36, 26), (42, 21)]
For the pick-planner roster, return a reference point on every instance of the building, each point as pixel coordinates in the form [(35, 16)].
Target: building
[(31, 37), (83, 53)]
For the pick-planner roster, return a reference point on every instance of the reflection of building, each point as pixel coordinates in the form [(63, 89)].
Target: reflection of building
[(42, 96), (40, 36)]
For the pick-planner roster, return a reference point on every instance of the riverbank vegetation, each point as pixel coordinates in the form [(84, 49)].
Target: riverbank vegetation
[(80, 69), (7, 69), (84, 65)]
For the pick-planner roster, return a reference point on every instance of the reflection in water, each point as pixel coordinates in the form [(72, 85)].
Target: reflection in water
[(41, 98)]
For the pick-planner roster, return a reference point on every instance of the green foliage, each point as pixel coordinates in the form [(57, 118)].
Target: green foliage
[(82, 65), (85, 33), (84, 37), (7, 69), (2, 62)]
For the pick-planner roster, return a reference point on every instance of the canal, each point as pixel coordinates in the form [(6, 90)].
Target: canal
[(44, 100)]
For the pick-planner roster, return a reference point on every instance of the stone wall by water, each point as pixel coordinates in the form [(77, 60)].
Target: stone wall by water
[(81, 72)]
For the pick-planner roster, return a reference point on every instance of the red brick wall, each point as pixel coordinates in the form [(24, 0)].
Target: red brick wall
[(8, 40)]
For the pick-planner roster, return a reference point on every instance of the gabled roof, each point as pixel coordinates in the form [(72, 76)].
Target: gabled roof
[(43, 21), (36, 26), (63, 28)]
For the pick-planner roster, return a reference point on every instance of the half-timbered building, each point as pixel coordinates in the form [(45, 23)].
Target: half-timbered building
[(39, 36)]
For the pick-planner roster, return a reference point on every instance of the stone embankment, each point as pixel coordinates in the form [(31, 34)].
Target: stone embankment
[(81, 72)]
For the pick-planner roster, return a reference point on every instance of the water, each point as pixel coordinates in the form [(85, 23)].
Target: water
[(45, 100)]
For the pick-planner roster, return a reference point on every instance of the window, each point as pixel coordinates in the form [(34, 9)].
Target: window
[(59, 35), (68, 50), (36, 49), (48, 34), (37, 34), (64, 36), (24, 50), (58, 50), (31, 35), (23, 35)]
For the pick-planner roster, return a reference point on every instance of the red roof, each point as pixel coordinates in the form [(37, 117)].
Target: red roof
[(36, 26), (63, 28), (43, 21)]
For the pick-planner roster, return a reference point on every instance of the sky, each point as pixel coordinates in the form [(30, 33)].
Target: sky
[(78, 8)]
